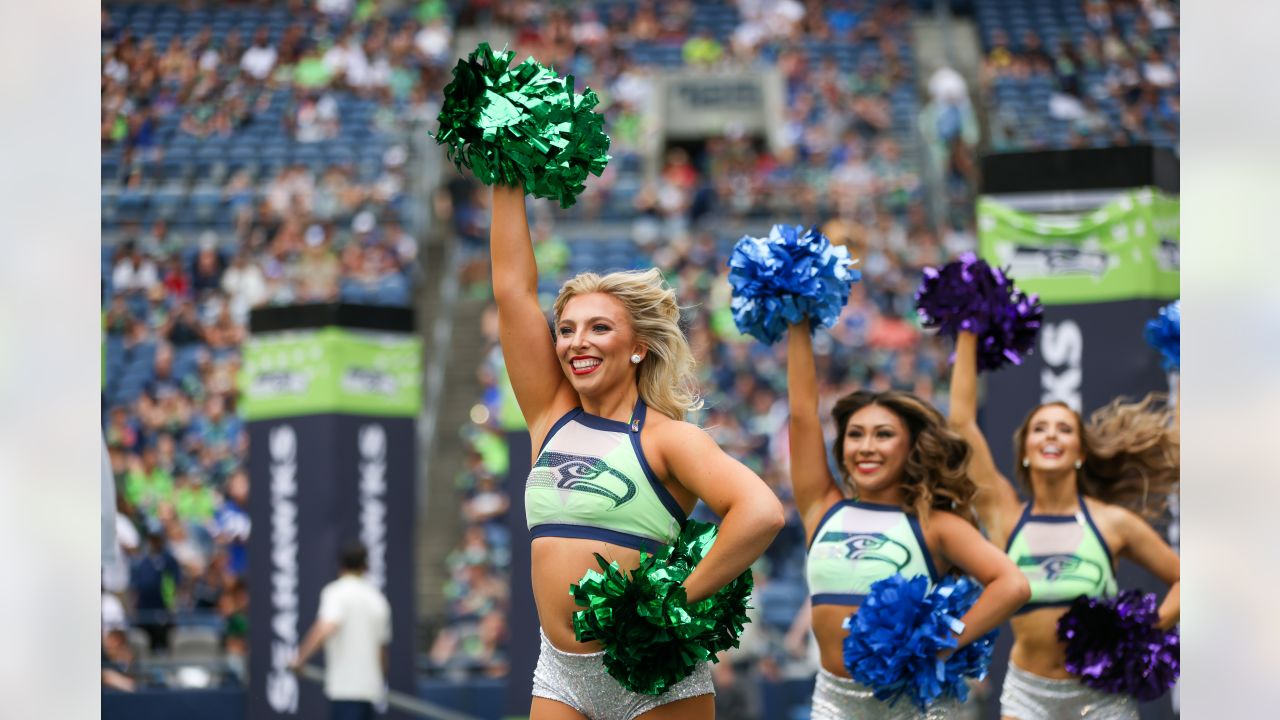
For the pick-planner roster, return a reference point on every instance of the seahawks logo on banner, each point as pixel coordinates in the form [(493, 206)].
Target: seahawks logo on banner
[(582, 473), (1064, 568), (871, 547)]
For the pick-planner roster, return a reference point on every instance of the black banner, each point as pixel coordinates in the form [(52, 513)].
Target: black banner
[(523, 642), (318, 482)]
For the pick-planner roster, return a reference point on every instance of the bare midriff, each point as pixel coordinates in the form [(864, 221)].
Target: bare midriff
[(1036, 648), (828, 628), (557, 564)]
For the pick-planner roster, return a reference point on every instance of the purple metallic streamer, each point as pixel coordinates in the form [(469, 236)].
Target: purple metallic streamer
[(1114, 646), (969, 295)]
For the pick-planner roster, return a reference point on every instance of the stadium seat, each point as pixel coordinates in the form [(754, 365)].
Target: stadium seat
[(195, 644)]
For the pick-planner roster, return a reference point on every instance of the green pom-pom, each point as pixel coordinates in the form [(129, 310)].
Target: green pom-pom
[(652, 636), (522, 126)]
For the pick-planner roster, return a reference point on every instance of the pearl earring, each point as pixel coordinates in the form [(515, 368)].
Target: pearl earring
[(1079, 464), (635, 359), (1026, 462)]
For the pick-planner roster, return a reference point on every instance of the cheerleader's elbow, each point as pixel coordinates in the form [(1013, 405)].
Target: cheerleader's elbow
[(1019, 590)]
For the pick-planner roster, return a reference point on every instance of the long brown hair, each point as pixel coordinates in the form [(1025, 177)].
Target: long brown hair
[(1130, 450), (936, 474)]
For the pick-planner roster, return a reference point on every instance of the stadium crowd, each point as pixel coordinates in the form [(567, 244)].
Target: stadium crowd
[(178, 286), (858, 157)]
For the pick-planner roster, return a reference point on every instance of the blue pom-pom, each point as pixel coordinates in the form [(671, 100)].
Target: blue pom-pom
[(791, 275), (896, 635), (1164, 333), (968, 294)]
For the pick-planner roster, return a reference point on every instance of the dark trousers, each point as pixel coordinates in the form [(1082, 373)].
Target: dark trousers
[(350, 710)]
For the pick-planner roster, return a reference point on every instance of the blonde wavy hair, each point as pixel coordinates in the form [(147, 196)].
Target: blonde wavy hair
[(936, 474), (1131, 453), (665, 377)]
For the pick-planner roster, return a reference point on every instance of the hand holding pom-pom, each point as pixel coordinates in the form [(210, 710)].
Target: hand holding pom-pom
[(522, 126), (900, 629), (653, 637), (969, 295), (787, 277), (1114, 646), (1164, 333)]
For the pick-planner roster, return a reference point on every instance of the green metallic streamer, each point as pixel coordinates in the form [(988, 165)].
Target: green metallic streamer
[(522, 126), (653, 637)]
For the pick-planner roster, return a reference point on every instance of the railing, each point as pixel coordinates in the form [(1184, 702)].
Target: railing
[(400, 701)]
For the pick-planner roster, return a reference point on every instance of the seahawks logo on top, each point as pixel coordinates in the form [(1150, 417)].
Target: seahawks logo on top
[(1063, 568), (582, 473), (873, 547)]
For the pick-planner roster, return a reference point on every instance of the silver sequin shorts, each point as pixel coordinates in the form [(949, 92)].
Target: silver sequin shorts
[(1031, 697), (838, 698), (580, 681)]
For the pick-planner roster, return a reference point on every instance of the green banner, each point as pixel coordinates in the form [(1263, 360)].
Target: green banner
[(331, 370), (1124, 250)]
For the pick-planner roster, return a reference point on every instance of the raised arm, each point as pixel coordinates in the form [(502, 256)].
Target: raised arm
[(750, 513), (815, 489), (527, 345), (996, 500)]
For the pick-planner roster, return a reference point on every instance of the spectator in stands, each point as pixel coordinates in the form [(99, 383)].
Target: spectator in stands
[(318, 268), (245, 286), (185, 329), (154, 575), (193, 500), (206, 266), (402, 246), (259, 59), (337, 10), (133, 272), (223, 335), (146, 484), (314, 118), (119, 667), (702, 50), (232, 523), (433, 42), (311, 73), (233, 606)]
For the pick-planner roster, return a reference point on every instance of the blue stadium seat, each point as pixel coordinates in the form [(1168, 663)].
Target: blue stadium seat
[(205, 202), (167, 202)]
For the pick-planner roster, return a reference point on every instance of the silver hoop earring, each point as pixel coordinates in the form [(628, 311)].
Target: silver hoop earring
[(1079, 464), (635, 359), (1026, 462)]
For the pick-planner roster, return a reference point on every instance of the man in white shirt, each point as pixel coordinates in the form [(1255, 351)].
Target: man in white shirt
[(354, 624), (260, 59)]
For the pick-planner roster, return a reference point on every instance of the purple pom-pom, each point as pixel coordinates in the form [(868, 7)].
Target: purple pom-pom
[(968, 294), (1114, 646)]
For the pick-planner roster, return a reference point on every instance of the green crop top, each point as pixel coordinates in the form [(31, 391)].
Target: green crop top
[(591, 480), (857, 544), (1063, 557)]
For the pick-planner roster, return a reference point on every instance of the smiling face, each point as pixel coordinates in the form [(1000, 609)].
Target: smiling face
[(594, 342), (876, 445), (1052, 441)]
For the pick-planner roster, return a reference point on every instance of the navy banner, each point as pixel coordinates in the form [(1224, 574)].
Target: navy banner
[(318, 482)]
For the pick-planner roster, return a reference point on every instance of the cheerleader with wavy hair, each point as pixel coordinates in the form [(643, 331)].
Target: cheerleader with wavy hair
[(1088, 485), (902, 506), (616, 469)]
